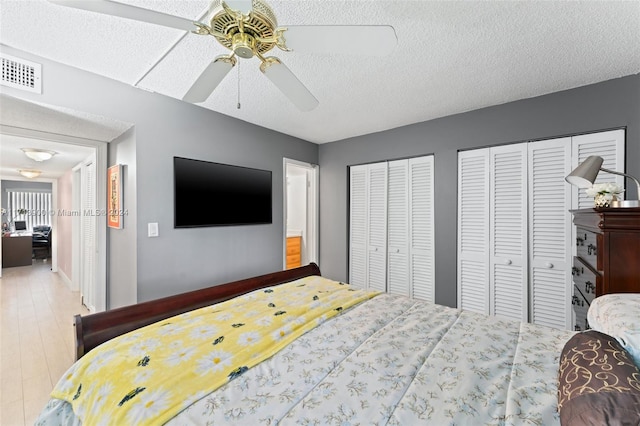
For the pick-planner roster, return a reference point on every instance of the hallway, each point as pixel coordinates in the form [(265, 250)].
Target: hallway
[(36, 339)]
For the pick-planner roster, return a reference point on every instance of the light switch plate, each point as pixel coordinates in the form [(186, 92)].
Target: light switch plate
[(153, 229)]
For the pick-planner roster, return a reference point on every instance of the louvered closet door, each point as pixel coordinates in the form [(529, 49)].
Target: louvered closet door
[(550, 232), (608, 145), (421, 228), (377, 226), (508, 232), (473, 230), (358, 226), (398, 228)]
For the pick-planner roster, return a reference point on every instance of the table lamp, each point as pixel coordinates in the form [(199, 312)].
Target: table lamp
[(585, 174)]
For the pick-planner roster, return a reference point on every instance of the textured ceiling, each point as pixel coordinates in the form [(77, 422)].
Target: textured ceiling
[(13, 159), (451, 57), (32, 125)]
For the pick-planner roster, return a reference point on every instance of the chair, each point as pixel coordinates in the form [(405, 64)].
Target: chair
[(41, 241)]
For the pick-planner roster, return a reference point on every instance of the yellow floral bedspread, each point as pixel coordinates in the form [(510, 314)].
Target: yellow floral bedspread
[(151, 374)]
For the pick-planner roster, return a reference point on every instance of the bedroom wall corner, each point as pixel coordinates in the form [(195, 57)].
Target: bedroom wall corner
[(600, 106), (122, 254)]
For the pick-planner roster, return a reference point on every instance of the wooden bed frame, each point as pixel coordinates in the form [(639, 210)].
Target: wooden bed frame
[(94, 329)]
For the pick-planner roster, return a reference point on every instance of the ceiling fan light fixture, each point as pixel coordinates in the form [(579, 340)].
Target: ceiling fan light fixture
[(249, 28), (228, 27), (38, 154), (30, 174), (244, 45)]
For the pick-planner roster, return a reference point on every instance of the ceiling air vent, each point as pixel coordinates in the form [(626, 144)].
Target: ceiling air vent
[(21, 74)]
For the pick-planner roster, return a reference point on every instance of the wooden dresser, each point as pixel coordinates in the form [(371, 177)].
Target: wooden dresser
[(608, 256), (294, 250)]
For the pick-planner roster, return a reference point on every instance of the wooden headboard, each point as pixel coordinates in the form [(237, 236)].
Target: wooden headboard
[(94, 329)]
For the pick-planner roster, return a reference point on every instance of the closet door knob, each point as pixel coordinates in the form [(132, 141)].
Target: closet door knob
[(397, 250), (548, 265), (507, 262)]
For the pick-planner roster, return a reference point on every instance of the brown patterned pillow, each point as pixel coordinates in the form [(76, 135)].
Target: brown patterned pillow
[(598, 382)]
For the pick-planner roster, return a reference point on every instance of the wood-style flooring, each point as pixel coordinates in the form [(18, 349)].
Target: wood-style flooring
[(36, 339)]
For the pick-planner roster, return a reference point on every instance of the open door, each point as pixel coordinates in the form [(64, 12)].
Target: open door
[(300, 213)]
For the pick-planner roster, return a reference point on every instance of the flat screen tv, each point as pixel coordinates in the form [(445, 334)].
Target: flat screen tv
[(214, 194)]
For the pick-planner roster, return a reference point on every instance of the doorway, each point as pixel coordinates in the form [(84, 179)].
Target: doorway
[(96, 270), (301, 214)]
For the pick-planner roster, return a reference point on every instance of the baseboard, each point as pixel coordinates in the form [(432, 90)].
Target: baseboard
[(65, 279)]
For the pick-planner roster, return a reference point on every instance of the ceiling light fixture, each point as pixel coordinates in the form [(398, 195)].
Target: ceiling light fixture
[(38, 154), (31, 174), (585, 175)]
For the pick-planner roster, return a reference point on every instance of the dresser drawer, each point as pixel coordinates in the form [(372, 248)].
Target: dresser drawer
[(293, 261), (293, 245), (585, 282), (293, 249), (585, 279), (587, 248), (580, 309), (608, 242)]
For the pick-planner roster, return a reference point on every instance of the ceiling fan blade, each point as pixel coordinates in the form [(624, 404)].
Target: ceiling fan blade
[(371, 40), (243, 6), (288, 84), (128, 11), (210, 78)]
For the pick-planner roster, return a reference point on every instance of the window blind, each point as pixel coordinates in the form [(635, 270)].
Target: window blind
[(33, 207)]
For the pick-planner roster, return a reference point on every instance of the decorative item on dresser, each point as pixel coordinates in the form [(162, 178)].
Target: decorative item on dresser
[(608, 254), (584, 176)]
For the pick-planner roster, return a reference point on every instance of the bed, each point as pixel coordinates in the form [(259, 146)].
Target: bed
[(294, 347)]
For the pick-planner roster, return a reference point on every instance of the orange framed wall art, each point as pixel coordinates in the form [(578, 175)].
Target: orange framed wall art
[(115, 211)]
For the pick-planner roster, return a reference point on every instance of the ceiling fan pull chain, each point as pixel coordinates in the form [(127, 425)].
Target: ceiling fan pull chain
[(239, 84)]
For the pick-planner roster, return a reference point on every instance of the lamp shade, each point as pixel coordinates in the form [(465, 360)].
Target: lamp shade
[(585, 174)]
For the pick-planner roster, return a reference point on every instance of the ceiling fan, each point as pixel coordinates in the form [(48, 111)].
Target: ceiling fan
[(249, 28)]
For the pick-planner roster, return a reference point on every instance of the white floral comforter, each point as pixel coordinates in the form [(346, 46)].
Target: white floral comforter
[(391, 360)]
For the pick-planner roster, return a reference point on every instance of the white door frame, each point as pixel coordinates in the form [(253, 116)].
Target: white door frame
[(313, 213), (101, 202)]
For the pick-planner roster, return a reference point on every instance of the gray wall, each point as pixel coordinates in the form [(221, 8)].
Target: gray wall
[(122, 288), (179, 259), (186, 259), (606, 105)]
